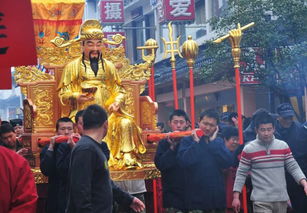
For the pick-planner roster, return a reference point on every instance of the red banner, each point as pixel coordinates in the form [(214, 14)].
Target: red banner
[(5, 78), (176, 10), (112, 11), (17, 44)]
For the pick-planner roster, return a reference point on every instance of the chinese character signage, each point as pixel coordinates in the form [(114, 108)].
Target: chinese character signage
[(112, 11), (176, 10), (17, 42)]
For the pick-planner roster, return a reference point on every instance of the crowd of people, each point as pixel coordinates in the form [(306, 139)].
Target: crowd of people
[(200, 173), (207, 174), (78, 174)]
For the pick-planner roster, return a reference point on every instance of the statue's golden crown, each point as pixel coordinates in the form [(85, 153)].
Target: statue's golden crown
[(91, 29)]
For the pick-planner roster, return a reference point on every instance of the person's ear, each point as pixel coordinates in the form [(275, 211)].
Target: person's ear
[(106, 125)]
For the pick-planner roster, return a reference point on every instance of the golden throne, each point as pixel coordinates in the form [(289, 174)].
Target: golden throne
[(42, 106)]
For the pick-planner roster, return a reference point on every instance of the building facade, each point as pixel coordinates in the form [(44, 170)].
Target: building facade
[(142, 21)]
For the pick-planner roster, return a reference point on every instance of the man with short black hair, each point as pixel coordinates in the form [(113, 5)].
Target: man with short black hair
[(79, 124), (249, 133), (9, 140), (90, 187), (89, 178), (55, 163), (121, 197), (166, 161), (267, 158), (203, 159)]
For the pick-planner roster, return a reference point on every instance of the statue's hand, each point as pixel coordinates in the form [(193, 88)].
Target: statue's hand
[(114, 107), (84, 98)]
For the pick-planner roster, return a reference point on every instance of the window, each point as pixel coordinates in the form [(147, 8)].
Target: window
[(180, 32), (200, 12), (217, 6), (150, 22), (161, 44), (138, 38)]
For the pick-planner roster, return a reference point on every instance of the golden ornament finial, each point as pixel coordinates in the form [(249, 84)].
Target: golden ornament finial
[(219, 40), (190, 51), (235, 37), (150, 48), (174, 46), (151, 43)]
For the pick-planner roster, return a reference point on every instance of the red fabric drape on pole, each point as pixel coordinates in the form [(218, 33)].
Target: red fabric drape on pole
[(240, 127), (5, 78)]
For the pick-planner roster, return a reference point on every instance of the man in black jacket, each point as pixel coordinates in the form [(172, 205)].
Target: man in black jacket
[(166, 161), (54, 164), (121, 197), (293, 133), (90, 186)]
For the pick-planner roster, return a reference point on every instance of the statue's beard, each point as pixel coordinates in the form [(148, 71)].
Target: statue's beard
[(94, 61)]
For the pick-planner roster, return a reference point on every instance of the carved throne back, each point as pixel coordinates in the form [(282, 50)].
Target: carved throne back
[(42, 107)]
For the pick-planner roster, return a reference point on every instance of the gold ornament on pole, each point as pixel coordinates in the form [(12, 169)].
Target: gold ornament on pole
[(190, 51), (174, 48), (151, 49), (235, 39), (151, 46), (152, 43), (173, 45)]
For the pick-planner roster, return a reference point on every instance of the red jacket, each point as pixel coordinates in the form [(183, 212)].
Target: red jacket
[(17, 186)]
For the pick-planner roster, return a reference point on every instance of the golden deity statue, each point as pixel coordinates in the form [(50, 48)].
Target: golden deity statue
[(92, 79)]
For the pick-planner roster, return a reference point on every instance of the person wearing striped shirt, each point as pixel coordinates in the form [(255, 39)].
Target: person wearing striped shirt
[(266, 158)]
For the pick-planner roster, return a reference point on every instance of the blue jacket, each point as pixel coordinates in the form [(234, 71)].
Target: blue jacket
[(204, 180), (171, 175)]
